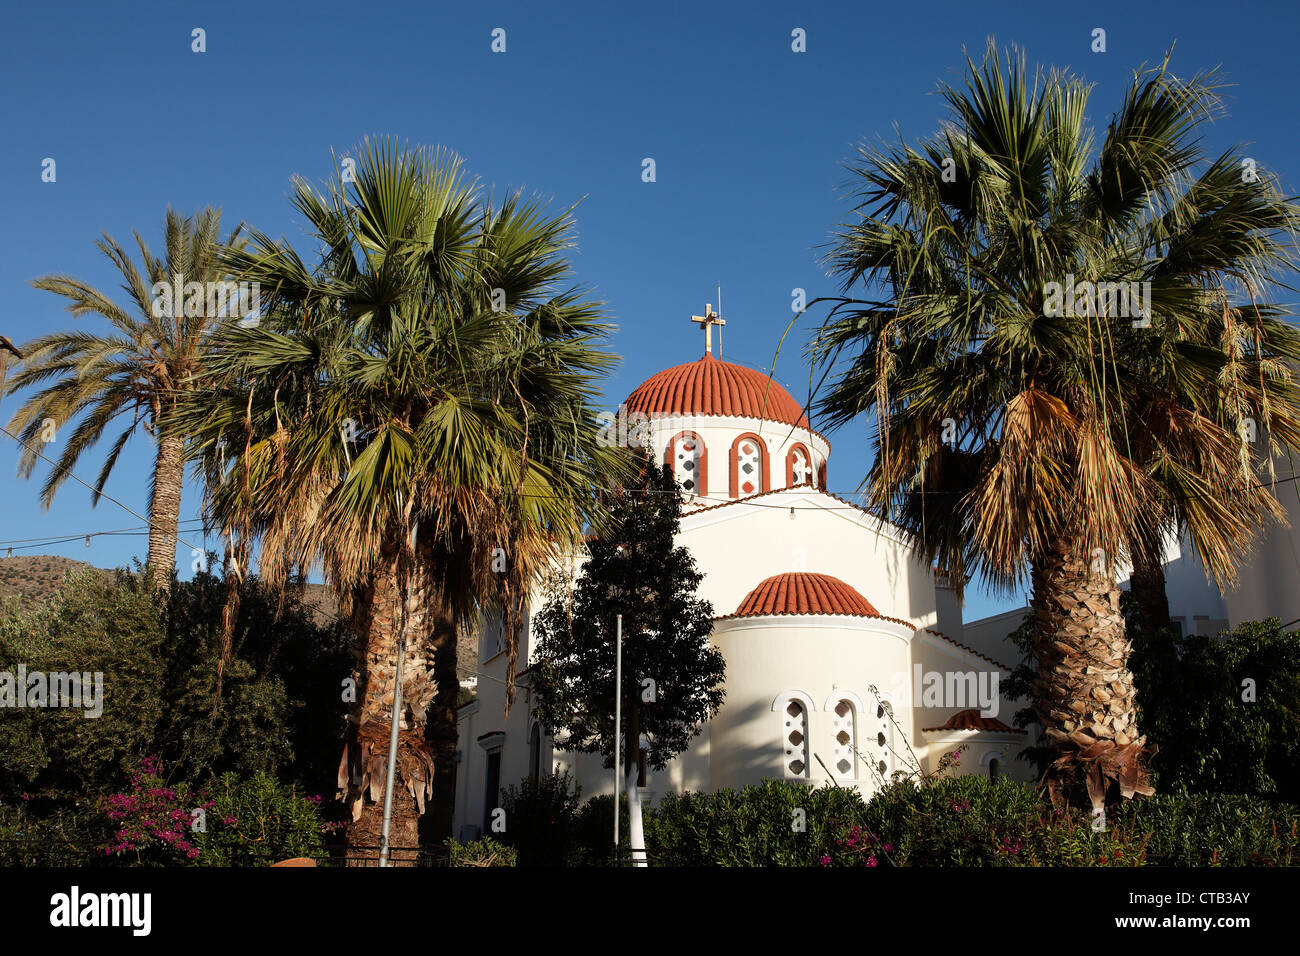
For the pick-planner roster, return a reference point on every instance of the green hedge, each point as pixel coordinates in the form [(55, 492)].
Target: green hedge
[(961, 821), (769, 824)]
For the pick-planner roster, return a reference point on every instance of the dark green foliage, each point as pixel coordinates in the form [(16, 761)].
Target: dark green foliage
[(1215, 829), (1190, 706), (282, 709), (973, 821), (94, 624), (593, 832), (280, 714), (62, 835), (541, 816), (754, 826), (1210, 739), (257, 821), (634, 569), (482, 852), (962, 821)]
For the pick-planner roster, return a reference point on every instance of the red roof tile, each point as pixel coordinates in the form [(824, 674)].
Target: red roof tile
[(713, 387), (971, 720), (804, 593)]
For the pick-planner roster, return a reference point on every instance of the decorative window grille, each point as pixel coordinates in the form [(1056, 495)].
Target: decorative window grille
[(884, 750), (687, 454), (845, 730), (749, 465), (795, 739)]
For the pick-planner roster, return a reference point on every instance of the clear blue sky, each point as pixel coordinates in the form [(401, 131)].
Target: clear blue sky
[(748, 138)]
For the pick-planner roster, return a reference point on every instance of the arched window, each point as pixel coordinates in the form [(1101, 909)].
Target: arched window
[(535, 753), (795, 739), (798, 467), (748, 466), (995, 768), (845, 728), (688, 457), (821, 476)]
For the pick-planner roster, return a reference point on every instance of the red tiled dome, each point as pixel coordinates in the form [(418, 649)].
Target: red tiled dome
[(714, 387), (971, 720), (803, 593)]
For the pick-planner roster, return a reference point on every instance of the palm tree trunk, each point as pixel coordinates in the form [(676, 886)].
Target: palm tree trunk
[(236, 565), (1084, 693), (362, 772), (1148, 586), (165, 508), (442, 730)]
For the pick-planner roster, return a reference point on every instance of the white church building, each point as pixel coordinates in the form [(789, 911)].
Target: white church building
[(817, 600)]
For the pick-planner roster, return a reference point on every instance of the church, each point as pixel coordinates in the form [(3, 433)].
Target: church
[(843, 648)]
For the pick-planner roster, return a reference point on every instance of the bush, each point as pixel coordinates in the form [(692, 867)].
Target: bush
[(593, 831), (540, 818), (63, 836), (257, 822), (973, 821), (244, 822), (770, 824), (482, 852), (1215, 830)]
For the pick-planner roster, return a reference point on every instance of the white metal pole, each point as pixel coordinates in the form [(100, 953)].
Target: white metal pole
[(395, 719), (618, 723)]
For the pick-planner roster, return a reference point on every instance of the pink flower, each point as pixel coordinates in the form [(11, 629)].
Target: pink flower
[(825, 860), (871, 861)]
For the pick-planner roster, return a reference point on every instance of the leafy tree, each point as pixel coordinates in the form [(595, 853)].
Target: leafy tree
[(281, 712), (672, 676), (137, 372), (1023, 436)]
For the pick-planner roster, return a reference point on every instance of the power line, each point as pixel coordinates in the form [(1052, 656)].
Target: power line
[(140, 529), (77, 478)]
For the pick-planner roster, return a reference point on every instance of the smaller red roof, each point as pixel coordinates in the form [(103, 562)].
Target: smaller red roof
[(804, 593), (971, 720)]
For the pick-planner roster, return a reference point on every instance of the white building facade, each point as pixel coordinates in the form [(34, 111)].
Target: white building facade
[(834, 630)]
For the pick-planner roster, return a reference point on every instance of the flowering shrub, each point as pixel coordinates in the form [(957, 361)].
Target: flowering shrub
[(154, 820), (243, 822)]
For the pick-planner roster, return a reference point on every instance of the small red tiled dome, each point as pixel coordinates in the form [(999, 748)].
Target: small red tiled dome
[(972, 720), (714, 387), (803, 593)]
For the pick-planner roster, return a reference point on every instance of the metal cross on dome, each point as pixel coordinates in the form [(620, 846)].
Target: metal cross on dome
[(708, 320)]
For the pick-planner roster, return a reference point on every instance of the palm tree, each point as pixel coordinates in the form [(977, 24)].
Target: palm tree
[(413, 418), (1018, 435), (136, 372)]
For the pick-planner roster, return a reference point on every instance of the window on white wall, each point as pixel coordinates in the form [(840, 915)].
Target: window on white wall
[(883, 754), (800, 468), (844, 727), (688, 451), (749, 467), (995, 768), (795, 741)]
